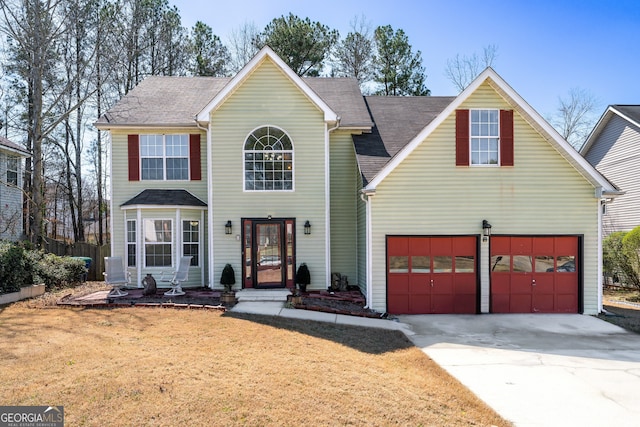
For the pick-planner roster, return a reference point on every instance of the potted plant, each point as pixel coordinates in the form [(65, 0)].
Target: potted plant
[(228, 279), (303, 277)]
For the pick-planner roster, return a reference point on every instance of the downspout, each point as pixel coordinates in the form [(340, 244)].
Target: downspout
[(210, 258), (327, 200), (601, 204), (366, 196)]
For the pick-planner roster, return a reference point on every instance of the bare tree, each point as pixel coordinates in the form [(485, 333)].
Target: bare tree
[(242, 45), (354, 54), (575, 116), (461, 70)]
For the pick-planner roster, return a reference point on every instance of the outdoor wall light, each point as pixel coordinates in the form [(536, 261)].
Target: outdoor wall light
[(228, 229), (307, 227), (486, 230)]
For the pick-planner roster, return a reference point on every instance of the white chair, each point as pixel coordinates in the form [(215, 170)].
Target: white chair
[(177, 277), (116, 276)]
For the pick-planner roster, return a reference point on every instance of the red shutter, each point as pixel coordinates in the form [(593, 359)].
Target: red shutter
[(194, 157), (134, 158), (506, 137), (462, 137)]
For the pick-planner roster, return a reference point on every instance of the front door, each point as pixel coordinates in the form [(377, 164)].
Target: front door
[(268, 253)]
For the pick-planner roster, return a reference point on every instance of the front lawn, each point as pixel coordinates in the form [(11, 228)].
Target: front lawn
[(167, 367)]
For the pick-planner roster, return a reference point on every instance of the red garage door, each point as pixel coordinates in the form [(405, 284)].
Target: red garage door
[(534, 274), (432, 275)]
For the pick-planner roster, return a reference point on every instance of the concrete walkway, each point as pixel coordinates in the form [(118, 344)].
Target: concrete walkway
[(278, 309), (534, 370)]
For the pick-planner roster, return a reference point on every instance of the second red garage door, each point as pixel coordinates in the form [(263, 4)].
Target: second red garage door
[(429, 275), (534, 274)]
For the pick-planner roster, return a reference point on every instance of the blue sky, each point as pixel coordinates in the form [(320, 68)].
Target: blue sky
[(545, 48)]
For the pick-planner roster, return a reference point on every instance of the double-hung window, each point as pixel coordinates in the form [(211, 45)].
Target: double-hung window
[(158, 241), (164, 157), (12, 170), (485, 136), (191, 241), (131, 243)]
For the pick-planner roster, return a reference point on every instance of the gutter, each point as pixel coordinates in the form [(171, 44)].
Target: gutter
[(367, 197), (210, 258)]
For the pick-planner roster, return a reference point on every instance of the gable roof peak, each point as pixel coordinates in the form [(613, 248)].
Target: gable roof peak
[(330, 116)]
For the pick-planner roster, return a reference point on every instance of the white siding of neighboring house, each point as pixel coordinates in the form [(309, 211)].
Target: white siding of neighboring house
[(10, 201), (616, 154), (541, 195)]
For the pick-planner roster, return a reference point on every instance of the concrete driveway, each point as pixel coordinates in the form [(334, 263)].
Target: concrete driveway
[(539, 370)]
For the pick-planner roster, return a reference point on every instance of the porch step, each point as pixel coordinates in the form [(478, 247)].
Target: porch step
[(245, 295)]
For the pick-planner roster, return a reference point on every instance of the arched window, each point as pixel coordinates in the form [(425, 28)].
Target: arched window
[(268, 160)]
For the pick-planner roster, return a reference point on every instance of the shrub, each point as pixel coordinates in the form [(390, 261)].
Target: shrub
[(621, 259), (16, 270), (59, 272), (228, 277)]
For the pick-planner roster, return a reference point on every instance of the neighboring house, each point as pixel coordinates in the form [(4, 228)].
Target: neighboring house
[(11, 169), (267, 170), (613, 148)]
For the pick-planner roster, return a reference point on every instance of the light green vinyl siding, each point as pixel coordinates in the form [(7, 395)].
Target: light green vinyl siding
[(344, 196), (269, 97), (541, 195), (122, 190)]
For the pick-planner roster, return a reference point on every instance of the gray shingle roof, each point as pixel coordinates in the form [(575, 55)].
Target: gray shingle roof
[(12, 146), (398, 119), (164, 101), (174, 101), (631, 111), (165, 198), (344, 97)]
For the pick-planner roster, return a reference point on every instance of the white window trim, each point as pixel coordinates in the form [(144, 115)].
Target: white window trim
[(15, 159), (133, 242), (198, 243), (172, 243), (471, 137), (164, 157), (293, 162)]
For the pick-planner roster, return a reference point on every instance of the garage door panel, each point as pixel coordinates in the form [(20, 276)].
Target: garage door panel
[(432, 274), (520, 303), (465, 303), (464, 284), (532, 274), (442, 303), (419, 303)]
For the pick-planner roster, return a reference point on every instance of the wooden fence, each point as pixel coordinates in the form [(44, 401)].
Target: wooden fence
[(96, 253)]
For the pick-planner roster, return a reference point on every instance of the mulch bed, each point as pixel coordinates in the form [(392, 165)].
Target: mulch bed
[(351, 303)]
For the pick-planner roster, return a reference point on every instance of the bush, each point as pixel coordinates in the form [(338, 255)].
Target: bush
[(20, 267), (621, 257), (59, 272), (16, 270)]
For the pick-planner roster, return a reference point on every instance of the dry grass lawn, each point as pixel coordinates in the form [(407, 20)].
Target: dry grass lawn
[(166, 367)]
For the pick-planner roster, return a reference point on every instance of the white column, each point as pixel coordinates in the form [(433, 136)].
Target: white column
[(485, 273)]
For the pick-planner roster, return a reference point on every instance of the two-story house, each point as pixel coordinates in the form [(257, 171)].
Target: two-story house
[(613, 148), (466, 204), (11, 196)]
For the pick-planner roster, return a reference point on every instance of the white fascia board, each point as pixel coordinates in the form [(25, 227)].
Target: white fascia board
[(15, 151), (147, 207), (597, 129), (503, 88), (330, 116), (178, 126)]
